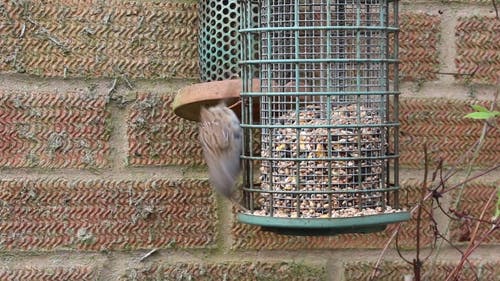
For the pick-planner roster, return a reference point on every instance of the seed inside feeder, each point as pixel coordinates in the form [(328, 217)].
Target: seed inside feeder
[(328, 167)]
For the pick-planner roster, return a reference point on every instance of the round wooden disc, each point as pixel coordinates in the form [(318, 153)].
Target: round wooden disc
[(188, 101)]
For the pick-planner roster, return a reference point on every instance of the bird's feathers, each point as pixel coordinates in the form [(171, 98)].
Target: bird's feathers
[(220, 136)]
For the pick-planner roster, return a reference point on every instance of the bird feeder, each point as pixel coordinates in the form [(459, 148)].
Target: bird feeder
[(322, 154), (218, 39)]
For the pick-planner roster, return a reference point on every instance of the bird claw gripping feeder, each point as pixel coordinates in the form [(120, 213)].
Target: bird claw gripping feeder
[(324, 78)]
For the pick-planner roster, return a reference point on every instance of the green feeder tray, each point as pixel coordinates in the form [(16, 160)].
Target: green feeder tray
[(324, 226)]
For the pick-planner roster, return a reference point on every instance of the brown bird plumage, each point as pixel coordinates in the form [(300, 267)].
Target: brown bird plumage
[(221, 139)]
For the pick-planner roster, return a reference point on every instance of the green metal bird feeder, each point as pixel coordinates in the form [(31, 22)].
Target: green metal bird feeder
[(218, 39), (322, 155)]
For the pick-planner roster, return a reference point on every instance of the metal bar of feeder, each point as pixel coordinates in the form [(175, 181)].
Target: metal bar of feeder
[(381, 190), (319, 60)]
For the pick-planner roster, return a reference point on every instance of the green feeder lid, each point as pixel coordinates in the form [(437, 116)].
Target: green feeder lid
[(324, 226)]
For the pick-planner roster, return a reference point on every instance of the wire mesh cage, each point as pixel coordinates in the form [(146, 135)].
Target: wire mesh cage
[(323, 152)]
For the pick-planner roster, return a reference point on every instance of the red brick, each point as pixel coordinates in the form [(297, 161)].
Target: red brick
[(50, 214), (472, 202), (478, 48), (440, 124), (147, 39), (227, 271), (253, 237), (49, 273), (444, 1), (157, 136), (50, 130), (418, 43), (395, 271)]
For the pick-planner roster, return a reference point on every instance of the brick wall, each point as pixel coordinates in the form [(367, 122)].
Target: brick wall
[(96, 170)]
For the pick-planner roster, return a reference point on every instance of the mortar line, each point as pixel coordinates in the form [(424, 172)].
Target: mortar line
[(118, 140), (446, 85), (198, 254), (447, 48), (125, 173), (224, 224)]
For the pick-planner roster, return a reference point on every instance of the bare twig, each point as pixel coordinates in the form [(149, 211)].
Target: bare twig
[(466, 258), (399, 251), (23, 29), (461, 186), (437, 235), (430, 194), (147, 255), (389, 241), (435, 232), (129, 85), (481, 216), (393, 236), (376, 268), (113, 87), (398, 226), (474, 243), (494, 2), (469, 179), (417, 263)]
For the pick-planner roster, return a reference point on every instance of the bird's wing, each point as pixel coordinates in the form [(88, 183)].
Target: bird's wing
[(220, 136)]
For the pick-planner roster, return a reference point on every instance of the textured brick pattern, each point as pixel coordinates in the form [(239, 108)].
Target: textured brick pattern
[(227, 271), (253, 237), (468, 1), (159, 137), (441, 124), (53, 130), (395, 271), (418, 41), (101, 214), (104, 38), (472, 202), (446, 1), (478, 48), (49, 274)]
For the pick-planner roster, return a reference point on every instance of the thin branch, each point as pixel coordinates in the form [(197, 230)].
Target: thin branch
[(399, 251), (113, 87), (494, 2), (437, 234), (458, 217), (129, 85), (464, 257), (474, 243), (376, 268), (393, 236), (483, 173), (147, 255), (417, 265), (435, 231), (461, 188), (446, 212), (483, 212), (398, 226), (474, 150)]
